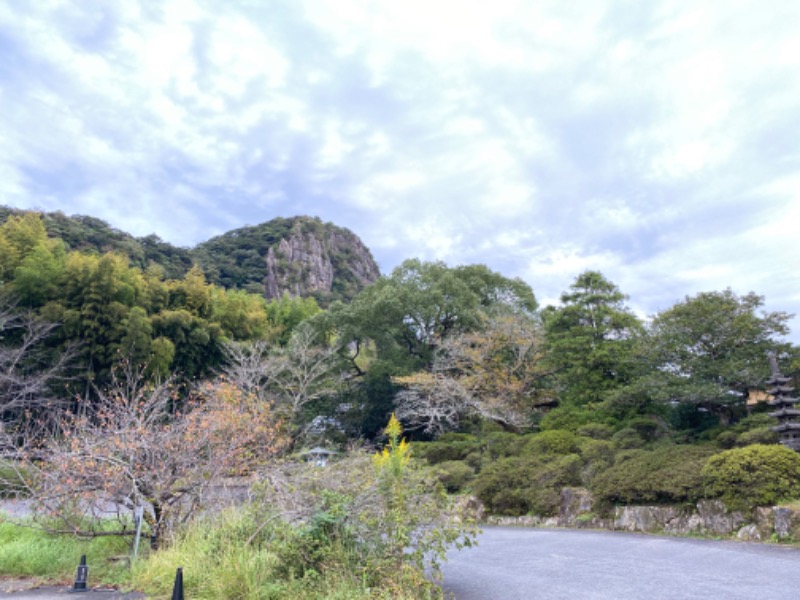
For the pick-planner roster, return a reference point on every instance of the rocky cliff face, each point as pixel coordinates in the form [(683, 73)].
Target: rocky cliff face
[(318, 259)]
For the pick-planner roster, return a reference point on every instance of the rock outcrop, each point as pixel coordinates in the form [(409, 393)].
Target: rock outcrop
[(321, 260)]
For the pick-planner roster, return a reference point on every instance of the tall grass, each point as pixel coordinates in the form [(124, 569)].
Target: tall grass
[(221, 558), (30, 552)]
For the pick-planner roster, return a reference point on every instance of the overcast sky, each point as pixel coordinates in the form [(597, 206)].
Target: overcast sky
[(657, 141)]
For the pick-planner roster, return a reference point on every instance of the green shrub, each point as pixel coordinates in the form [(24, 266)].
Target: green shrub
[(526, 484), (757, 475), (759, 435), (474, 460), (627, 439), (711, 433), (755, 421), (647, 428), (597, 431), (500, 486), (454, 475), (450, 446), (552, 442), (598, 455), (727, 439), (754, 429), (568, 418), (500, 444), (544, 493), (670, 474), (597, 451)]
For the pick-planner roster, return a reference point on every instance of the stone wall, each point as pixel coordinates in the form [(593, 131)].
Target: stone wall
[(708, 518)]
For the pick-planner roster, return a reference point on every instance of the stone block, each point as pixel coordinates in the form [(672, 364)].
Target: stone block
[(787, 523), (749, 533), (717, 519), (685, 524), (574, 503), (765, 521)]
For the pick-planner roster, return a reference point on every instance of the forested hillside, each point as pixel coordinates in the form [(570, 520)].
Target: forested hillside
[(512, 402), (301, 255)]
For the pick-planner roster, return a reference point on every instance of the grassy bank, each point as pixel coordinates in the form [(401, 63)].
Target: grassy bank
[(29, 552), (239, 554)]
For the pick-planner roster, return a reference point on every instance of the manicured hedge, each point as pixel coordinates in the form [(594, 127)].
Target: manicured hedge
[(757, 475), (666, 475), (527, 484)]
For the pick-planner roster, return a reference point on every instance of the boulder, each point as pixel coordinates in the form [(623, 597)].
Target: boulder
[(685, 524), (644, 518), (787, 523), (749, 533), (765, 521), (716, 518), (575, 504)]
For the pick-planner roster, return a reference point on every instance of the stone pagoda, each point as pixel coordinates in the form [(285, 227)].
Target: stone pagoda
[(788, 424)]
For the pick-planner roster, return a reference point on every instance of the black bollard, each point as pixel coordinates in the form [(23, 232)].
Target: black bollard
[(80, 577), (177, 589)]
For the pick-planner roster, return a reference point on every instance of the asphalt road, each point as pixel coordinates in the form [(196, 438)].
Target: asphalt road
[(551, 564), (22, 590)]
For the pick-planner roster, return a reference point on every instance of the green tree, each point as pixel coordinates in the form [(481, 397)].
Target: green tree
[(196, 342), (708, 351), (192, 293), (36, 278), (591, 340), (95, 295), (286, 313), (137, 341), (242, 316), (19, 235), (405, 316), (155, 297)]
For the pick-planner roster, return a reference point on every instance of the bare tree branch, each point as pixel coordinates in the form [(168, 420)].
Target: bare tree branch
[(135, 450), (287, 377), (495, 373), (27, 368)]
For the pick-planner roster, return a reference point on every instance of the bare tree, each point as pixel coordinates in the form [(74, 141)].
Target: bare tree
[(28, 368), (433, 401), (289, 377), (135, 451), (248, 366), (496, 373)]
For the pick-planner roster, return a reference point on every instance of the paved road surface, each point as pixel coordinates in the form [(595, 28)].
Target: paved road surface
[(554, 564), (20, 590)]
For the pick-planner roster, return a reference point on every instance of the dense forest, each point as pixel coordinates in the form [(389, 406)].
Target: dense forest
[(509, 400), (240, 259)]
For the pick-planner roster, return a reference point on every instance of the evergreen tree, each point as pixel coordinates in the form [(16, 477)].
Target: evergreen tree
[(590, 340)]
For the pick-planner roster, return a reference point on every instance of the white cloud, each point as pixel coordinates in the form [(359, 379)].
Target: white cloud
[(655, 142)]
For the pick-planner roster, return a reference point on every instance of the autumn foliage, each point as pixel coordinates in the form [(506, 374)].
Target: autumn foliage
[(141, 448)]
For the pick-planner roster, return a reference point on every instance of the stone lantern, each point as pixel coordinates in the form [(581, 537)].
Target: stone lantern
[(788, 427)]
